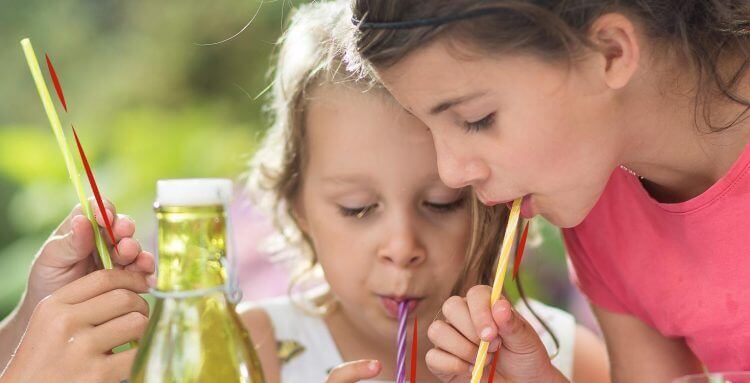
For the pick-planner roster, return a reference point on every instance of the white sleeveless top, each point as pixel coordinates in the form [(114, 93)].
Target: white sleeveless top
[(317, 353)]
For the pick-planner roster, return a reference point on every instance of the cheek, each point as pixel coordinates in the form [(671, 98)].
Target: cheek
[(554, 145), (346, 267), (332, 236), (447, 244)]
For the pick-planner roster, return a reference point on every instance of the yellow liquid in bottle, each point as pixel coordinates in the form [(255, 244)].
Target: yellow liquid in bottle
[(194, 338)]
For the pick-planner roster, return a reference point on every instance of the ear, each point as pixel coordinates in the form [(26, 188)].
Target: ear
[(614, 34)]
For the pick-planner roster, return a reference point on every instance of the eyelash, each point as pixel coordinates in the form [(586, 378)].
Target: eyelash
[(485, 122), (360, 212), (356, 211), (446, 207)]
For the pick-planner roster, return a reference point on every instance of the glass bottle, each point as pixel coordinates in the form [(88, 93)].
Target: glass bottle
[(194, 333)]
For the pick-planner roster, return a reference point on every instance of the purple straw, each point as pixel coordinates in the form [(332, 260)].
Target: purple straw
[(403, 312)]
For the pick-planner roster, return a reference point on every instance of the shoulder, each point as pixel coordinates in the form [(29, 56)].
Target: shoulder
[(256, 320)]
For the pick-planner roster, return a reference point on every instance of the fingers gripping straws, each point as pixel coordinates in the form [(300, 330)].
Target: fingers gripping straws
[(54, 120), (497, 285)]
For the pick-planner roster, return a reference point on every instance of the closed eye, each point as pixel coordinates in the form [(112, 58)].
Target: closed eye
[(357, 212), (483, 123), (446, 207)]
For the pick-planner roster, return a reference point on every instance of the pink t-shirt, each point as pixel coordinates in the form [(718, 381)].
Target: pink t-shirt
[(682, 268)]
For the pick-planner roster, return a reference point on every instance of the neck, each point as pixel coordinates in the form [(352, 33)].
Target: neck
[(671, 146), (191, 246)]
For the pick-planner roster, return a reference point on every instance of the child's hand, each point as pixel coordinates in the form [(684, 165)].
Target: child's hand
[(72, 331), (351, 372), (523, 357), (70, 252)]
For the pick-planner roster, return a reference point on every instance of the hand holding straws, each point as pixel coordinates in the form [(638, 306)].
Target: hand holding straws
[(73, 174), (497, 285)]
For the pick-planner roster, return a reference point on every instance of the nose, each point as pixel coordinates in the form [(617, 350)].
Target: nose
[(401, 245), (458, 170)]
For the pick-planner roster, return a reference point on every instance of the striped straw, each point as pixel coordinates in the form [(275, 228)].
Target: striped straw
[(403, 312)]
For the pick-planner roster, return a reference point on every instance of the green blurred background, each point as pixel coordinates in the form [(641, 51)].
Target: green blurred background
[(149, 102)]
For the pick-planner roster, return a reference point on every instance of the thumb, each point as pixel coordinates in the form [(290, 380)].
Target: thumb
[(516, 334), (354, 371), (69, 248)]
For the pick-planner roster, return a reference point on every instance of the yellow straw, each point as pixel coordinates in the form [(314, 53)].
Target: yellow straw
[(54, 121), (497, 285)]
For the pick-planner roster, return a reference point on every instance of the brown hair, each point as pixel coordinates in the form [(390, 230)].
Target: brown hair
[(702, 32)]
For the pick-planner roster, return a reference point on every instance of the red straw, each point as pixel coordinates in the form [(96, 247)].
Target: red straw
[(519, 252), (95, 189), (56, 81), (84, 160), (493, 366), (413, 376)]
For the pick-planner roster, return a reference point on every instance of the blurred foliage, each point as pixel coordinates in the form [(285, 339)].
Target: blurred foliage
[(148, 100), (150, 103)]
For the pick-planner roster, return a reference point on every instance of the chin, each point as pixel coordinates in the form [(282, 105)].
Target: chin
[(566, 220)]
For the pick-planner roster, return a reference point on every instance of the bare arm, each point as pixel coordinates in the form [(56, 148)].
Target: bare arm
[(257, 322), (639, 354), (590, 361), (12, 329)]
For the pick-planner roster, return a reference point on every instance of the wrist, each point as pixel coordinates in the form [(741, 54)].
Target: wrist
[(552, 375), (19, 318)]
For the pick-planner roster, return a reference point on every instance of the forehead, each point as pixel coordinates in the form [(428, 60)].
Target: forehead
[(442, 71), (350, 130), (429, 73)]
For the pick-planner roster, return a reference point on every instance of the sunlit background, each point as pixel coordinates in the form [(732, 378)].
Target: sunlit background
[(151, 100)]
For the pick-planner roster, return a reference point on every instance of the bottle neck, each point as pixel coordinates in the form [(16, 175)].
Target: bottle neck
[(192, 245)]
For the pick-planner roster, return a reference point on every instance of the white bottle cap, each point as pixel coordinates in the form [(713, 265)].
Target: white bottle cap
[(193, 192)]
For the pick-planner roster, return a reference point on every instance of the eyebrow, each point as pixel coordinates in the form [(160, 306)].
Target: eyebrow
[(345, 179), (445, 105)]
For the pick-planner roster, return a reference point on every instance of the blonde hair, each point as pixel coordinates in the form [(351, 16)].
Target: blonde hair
[(310, 55)]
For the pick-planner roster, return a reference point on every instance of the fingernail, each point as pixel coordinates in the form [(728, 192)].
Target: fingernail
[(486, 333), (373, 365), (471, 368), (500, 307), (73, 220), (151, 280)]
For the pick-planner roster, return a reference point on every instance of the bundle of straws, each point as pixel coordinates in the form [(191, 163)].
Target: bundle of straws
[(403, 313), (62, 143)]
